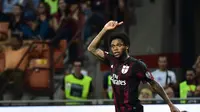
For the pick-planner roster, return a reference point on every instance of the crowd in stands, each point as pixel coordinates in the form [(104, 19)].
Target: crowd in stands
[(61, 29), (39, 38)]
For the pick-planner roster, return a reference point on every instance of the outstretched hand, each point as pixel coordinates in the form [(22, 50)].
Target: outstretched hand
[(112, 25)]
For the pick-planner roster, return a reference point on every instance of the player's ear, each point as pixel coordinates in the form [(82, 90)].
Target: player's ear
[(126, 47)]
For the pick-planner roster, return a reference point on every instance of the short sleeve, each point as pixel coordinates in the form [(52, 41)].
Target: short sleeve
[(143, 74), (108, 57)]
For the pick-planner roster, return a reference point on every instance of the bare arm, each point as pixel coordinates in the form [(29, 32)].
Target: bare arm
[(159, 89), (93, 47)]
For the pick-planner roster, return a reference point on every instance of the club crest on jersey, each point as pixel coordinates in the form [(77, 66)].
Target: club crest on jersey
[(124, 69)]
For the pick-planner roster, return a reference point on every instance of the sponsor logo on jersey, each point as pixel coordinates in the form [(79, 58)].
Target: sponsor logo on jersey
[(116, 81)]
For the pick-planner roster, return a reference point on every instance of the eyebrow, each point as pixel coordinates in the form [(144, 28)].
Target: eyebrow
[(118, 43)]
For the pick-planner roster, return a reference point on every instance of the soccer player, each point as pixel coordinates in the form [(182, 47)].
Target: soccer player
[(127, 72)]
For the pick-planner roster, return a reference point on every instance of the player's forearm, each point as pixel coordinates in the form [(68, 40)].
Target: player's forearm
[(157, 88), (95, 42)]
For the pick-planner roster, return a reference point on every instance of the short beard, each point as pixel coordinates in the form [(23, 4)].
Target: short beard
[(124, 55)]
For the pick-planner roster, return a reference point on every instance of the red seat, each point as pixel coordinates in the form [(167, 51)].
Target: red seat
[(4, 27), (38, 74), (58, 55)]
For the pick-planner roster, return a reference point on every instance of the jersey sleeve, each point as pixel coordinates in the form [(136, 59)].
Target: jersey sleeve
[(108, 57), (143, 74)]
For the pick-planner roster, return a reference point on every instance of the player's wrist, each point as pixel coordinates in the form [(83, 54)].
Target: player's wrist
[(104, 29), (170, 104)]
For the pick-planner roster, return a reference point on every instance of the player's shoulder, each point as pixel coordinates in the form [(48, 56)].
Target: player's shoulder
[(139, 62)]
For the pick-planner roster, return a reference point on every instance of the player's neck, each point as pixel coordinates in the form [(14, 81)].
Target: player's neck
[(124, 57)]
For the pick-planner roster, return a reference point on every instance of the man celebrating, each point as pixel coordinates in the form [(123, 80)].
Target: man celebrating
[(127, 72)]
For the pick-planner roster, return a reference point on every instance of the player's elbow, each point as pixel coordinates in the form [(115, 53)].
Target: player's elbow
[(90, 49)]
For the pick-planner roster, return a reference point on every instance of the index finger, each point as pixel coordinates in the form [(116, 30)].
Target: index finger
[(120, 23)]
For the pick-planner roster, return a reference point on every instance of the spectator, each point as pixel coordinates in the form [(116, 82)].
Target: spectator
[(197, 78), (63, 23), (17, 21), (197, 93), (30, 20), (65, 26), (77, 86), (18, 27), (43, 29), (63, 12), (196, 66), (86, 9), (36, 3), (29, 7), (11, 79), (4, 23), (170, 91), (162, 74), (145, 94), (123, 10), (188, 86), (107, 87), (8, 5)]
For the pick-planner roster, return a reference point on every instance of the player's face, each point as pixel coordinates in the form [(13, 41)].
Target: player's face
[(162, 63), (118, 47)]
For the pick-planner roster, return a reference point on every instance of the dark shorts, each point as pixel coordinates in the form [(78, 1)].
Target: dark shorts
[(138, 108), (12, 80)]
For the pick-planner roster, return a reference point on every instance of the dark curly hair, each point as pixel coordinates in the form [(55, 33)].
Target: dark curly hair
[(120, 35)]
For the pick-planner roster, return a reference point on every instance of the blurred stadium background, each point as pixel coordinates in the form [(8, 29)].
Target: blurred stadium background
[(60, 31)]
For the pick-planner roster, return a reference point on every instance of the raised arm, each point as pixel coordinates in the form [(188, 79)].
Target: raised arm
[(93, 47)]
